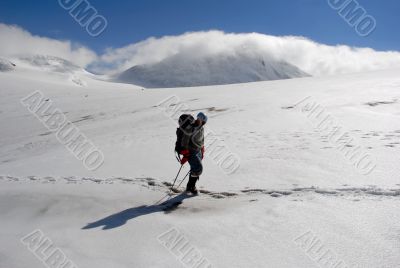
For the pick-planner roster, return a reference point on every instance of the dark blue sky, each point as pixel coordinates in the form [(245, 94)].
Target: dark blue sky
[(135, 20)]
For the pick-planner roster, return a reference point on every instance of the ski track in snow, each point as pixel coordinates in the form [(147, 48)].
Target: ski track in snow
[(355, 193)]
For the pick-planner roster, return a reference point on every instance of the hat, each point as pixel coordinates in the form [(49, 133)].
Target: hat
[(201, 116)]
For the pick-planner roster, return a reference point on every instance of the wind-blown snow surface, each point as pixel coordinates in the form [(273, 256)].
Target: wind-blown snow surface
[(291, 179), (218, 69)]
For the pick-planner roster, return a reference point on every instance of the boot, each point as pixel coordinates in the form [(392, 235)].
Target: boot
[(191, 186)]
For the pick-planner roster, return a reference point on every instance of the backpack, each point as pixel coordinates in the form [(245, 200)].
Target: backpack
[(185, 120)]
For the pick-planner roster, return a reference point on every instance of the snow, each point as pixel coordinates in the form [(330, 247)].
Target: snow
[(219, 69), (6, 65), (48, 63), (292, 181)]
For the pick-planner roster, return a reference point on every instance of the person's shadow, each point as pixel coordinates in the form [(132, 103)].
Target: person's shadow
[(120, 218)]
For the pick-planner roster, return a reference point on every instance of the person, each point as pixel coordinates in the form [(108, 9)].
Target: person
[(191, 146)]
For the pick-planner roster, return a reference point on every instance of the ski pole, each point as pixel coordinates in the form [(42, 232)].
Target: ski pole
[(183, 180), (177, 175), (170, 190)]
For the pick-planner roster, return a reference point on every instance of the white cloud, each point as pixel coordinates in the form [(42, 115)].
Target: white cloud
[(311, 57), (15, 41)]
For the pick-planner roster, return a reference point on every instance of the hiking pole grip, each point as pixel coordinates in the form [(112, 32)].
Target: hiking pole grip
[(177, 156)]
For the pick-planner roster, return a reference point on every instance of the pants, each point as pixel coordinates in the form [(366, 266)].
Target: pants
[(195, 162)]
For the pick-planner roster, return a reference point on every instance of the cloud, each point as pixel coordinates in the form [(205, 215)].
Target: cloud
[(313, 58), (16, 41)]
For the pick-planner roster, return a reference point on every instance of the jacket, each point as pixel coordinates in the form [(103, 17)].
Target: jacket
[(193, 138)]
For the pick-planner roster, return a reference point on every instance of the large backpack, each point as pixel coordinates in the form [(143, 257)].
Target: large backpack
[(185, 120)]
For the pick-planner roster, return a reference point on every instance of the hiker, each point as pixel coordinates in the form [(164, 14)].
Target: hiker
[(190, 144)]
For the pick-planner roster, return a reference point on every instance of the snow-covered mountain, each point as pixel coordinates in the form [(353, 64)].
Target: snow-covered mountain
[(48, 68), (203, 70), (49, 63), (6, 65)]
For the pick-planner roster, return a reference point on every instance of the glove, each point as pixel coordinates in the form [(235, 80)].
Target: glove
[(185, 157), (184, 160), (202, 152)]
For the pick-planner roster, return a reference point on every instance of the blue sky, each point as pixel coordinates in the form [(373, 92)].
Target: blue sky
[(133, 21)]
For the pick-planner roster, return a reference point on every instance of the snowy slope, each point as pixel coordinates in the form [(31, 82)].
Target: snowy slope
[(219, 69), (291, 180), (49, 63), (49, 68), (6, 65)]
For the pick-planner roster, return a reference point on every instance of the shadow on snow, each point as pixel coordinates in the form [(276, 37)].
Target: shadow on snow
[(121, 218)]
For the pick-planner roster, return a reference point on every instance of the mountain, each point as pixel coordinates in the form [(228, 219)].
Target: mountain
[(220, 69), (48, 68), (49, 63), (6, 65)]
